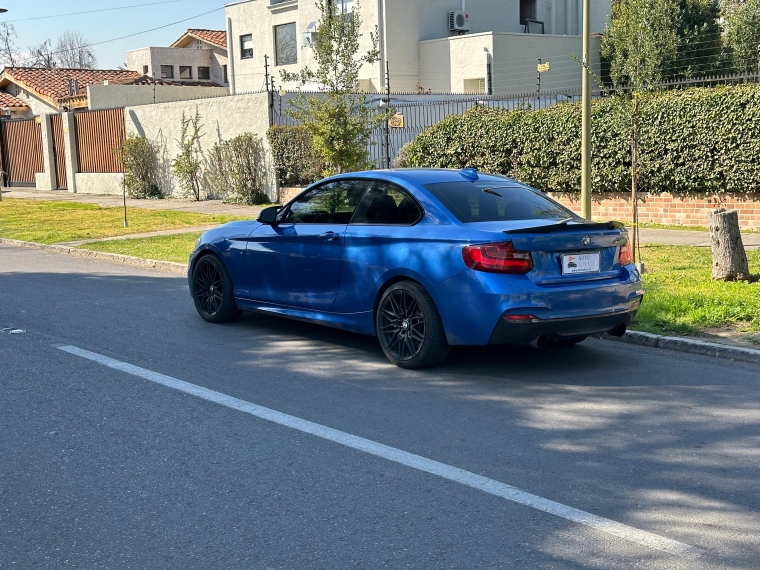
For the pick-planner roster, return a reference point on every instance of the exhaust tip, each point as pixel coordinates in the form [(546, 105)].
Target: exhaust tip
[(540, 341), (618, 330)]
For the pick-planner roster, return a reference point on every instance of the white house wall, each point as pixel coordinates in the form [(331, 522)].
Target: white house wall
[(155, 57), (259, 18)]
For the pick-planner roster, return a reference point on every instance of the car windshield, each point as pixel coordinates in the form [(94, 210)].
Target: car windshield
[(483, 201)]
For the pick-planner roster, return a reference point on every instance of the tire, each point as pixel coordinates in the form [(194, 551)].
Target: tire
[(571, 341), (409, 327), (212, 291)]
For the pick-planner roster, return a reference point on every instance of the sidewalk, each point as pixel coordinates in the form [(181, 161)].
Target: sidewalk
[(647, 235), (203, 207)]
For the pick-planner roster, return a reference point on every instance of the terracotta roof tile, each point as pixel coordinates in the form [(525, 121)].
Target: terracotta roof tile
[(215, 37), (54, 83), (8, 100)]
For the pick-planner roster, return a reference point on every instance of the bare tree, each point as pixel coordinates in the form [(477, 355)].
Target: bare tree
[(42, 56), (9, 55), (73, 51)]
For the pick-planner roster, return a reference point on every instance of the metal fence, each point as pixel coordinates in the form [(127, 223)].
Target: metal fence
[(415, 112)]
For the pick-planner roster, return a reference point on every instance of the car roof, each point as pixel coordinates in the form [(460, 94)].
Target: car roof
[(440, 175)]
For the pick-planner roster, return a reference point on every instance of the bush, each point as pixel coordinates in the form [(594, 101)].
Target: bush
[(701, 140), (237, 170), (139, 157), (296, 162)]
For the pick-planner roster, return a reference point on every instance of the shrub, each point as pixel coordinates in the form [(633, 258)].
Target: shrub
[(700, 140), (139, 157), (237, 170), (296, 162), (187, 165)]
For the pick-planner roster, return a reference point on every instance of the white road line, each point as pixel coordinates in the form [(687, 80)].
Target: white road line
[(418, 462)]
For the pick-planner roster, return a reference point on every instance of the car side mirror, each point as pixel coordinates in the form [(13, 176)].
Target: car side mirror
[(269, 215)]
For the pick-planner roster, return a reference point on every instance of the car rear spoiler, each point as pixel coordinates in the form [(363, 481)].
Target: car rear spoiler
[(588, 226)]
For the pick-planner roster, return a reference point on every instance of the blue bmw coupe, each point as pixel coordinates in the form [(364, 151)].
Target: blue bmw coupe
[(423, 259)]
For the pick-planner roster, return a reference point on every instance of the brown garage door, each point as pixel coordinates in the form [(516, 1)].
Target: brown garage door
[(21, 152)]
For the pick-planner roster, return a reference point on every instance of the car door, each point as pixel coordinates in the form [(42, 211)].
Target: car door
[(296, 261)]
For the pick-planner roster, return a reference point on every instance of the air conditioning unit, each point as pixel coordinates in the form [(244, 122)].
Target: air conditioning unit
[(459, 21)]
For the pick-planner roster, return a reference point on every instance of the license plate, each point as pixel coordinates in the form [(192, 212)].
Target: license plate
[(580, 263)]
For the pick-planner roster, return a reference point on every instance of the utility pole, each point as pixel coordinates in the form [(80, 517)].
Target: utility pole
[(387, 122), (270, 89), (586, 120)]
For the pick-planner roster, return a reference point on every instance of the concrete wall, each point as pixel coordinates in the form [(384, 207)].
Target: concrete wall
[(154, 57), (116, 96), (452, 64), (99, 183), (222, 118)]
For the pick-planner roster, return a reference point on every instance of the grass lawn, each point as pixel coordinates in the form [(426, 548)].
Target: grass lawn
[(682, 299), (164, 248), (46, 221)]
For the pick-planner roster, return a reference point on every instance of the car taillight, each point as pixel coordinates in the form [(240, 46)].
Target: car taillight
[(626, 252), (497, 258)]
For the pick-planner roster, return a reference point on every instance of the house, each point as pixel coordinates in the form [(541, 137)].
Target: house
[(48, 91), (199, 55), (12, 108), (485, 46)]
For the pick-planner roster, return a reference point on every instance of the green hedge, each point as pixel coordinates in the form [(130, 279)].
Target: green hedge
[(295, 160), (702, 140)]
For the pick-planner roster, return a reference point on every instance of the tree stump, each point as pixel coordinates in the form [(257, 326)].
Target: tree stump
[(729, 258)]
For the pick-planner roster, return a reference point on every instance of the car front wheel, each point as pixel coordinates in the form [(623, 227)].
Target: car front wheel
[(212, 291), (409, 327)]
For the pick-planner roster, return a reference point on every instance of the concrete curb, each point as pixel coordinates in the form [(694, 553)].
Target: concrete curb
[(165, 266), (688, 345)]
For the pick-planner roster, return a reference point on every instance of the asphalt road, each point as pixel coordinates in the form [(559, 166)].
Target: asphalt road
[(100, 468)]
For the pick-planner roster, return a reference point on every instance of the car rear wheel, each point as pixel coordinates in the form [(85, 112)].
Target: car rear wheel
[(570, 341), (212, 291), (409, 327)]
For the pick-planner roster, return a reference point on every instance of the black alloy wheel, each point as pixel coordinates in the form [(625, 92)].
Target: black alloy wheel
[(409, 327), (212, 291)]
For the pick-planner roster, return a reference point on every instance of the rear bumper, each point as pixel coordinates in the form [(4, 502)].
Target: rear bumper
[(519, 332)]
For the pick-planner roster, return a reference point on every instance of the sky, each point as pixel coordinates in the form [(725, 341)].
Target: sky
[(33, 23)]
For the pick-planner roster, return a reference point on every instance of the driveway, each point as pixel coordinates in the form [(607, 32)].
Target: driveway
[(135, 435)]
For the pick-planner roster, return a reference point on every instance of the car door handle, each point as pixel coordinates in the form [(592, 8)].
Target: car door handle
[(328, 236)]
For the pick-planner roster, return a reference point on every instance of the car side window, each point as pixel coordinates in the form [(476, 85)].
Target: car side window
[(388, 205), (331, 203)]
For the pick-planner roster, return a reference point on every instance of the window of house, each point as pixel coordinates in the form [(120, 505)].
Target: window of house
[(224, 72), (527, 11), (285, 44), (145, 70), (167, 72), (186, 72), (246, 46), (344, 6), (204, 73)]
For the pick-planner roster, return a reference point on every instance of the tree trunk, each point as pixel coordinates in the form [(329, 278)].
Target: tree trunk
[(729, 258)]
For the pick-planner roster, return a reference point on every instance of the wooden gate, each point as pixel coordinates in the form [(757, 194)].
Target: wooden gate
[(21, 151), (99, 136), (59, 151)]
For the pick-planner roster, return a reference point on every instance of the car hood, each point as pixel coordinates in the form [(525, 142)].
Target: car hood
[(242, 228)]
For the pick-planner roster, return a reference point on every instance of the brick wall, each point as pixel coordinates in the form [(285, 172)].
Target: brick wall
[(287, 193), (668, 208)]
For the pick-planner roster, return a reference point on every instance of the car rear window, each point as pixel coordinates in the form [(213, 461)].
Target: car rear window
[(483, 201)]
